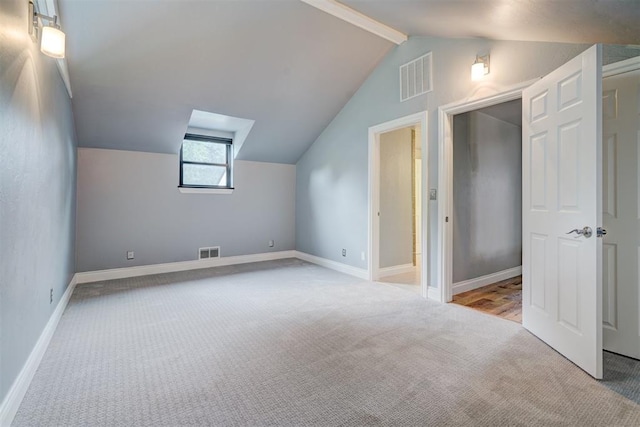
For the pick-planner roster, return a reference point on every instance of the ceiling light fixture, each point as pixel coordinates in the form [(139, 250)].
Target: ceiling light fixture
[(52, 39), (480, 68)]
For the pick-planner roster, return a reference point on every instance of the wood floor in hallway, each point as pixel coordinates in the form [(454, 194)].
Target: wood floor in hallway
[(503, 299)]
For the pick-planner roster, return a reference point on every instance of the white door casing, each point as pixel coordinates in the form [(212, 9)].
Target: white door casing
[(418, 205), (446, 114), (562, 191), (621, 213)]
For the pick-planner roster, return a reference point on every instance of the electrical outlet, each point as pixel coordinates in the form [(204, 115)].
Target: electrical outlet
[(344, 252), (51, 296), (130, 254), (362, 255), (433, 194), (271, 243)]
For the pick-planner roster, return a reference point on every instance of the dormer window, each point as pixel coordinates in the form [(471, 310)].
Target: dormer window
[(206, 162)]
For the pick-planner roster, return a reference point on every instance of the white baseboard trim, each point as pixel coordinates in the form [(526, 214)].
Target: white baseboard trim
[(478, 282), (13, 399), (333, 265), (144, 270), (396, 269)]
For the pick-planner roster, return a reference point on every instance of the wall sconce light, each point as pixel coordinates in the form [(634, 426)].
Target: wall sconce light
[(52, 39), (480, 68)]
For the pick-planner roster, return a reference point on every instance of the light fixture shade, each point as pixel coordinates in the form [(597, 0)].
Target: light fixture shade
[(52, 43), (477, 71)]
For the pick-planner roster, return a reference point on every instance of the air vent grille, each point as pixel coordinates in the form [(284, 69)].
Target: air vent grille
[(213, 252), (415, 77)]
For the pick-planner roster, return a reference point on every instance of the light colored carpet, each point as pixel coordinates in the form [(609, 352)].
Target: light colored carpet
[(289, 343)]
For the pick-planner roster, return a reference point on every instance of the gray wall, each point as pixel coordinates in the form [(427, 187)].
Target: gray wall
[(487, 189), (37, 190), (396, 213), (332, 187), (130, 201)]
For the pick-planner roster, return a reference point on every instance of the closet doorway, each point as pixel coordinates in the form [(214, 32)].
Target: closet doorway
[(400, 208), (397, 177)]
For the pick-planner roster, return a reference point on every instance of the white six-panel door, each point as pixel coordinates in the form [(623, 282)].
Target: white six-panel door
[(621, 204), (562, 190)]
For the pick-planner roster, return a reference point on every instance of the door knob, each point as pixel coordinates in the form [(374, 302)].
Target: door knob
[(586, 232)]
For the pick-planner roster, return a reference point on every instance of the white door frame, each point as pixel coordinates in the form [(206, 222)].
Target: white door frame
[(629, 65), (620, 67), (445, 177), (417, 119), (445, 165)]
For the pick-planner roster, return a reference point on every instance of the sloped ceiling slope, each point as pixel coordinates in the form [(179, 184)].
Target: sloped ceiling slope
[(563, 21), (138, 69)]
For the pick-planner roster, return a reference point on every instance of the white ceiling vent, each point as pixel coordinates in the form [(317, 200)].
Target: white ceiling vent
[(415, 77), (204, 253)]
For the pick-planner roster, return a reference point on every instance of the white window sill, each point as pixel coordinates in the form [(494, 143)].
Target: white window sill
[(189, 190)]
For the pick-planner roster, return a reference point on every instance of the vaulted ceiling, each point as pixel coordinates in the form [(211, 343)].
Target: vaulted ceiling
[(138, 68), (566, 21)]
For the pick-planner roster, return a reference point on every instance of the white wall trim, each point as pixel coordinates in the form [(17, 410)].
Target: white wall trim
[(144, 270), (192, 190), (358, 19), (13, 399), (478, 282), (620, 67), (471, 104), (333, 265), (396, 269)]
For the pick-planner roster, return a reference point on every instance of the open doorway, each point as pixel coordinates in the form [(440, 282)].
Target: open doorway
[(487, 209), (400, 231), (620, 206), (397, 178), (564, 173)]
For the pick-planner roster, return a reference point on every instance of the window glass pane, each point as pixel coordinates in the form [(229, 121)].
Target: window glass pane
[(204, 152), (204, 175)]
